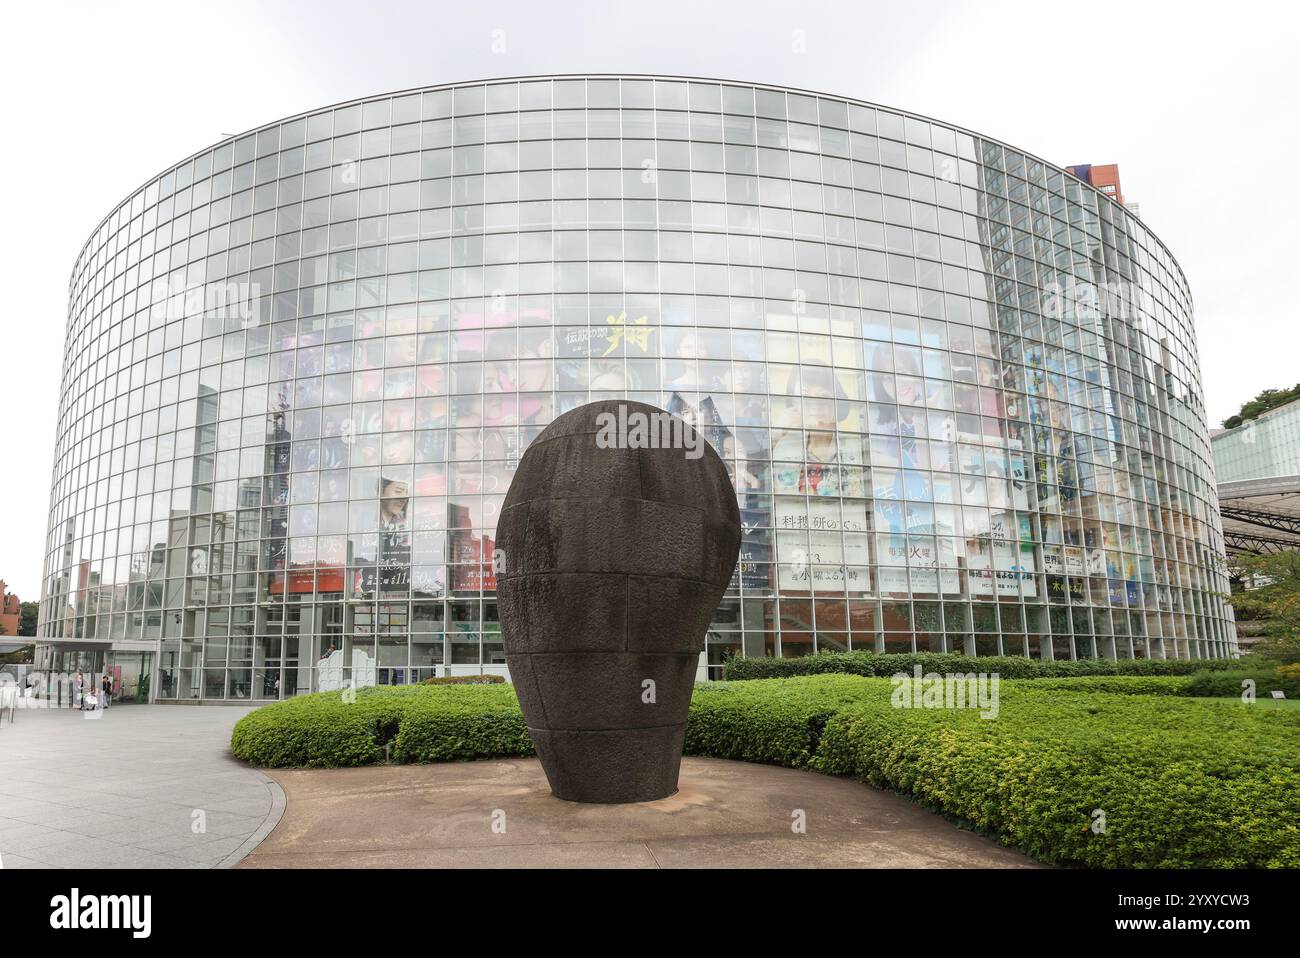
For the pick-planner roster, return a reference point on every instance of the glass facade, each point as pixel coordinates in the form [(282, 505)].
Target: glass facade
[(1261, 448), (957, 388)]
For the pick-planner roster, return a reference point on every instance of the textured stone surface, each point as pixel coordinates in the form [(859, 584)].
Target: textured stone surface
[(613, 560), (625, 765), (604, 691), (594, 600)]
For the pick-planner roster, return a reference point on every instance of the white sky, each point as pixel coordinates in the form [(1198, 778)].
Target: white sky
[(1198, 105)]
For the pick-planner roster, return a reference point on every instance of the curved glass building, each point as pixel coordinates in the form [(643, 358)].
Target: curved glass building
[(957, 388)]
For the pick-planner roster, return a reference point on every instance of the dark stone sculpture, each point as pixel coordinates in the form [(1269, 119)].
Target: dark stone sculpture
[(612, 557)]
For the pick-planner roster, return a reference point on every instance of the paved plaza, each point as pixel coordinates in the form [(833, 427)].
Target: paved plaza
[(501, 814), (156, 787), (140, 786)]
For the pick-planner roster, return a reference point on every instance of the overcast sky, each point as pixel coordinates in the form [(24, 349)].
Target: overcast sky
[(1197, 105)]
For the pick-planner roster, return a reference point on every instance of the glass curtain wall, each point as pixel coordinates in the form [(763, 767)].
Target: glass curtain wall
[(957, 389)]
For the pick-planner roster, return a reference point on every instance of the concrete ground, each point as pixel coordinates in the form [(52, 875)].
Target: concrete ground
[(141, 786), (501, 814)]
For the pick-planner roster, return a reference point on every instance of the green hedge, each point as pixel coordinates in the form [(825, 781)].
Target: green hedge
[(1119, 684), (464, 722), (481, 679), (1182, 783), (885, 664), (776, 722), (1224, 684), (407, 723), (321, 730)]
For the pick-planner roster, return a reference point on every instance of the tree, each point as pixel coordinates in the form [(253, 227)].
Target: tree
[(20, 656), (1276, 602), (28, 613), (1265, 400)]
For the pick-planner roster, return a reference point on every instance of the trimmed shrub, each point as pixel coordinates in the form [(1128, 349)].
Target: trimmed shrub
[(481, 679), (462, 722), (1118, 684), (777, 722), (1225, 684), (322, 730), (1181, 783), (411, 723), (739, 668)]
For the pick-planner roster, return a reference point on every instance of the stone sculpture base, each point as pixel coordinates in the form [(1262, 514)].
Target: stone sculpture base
[(604, 743), (611, 767)]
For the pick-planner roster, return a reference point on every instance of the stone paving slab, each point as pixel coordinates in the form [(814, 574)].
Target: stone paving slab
[(726, 814), (121, 790)]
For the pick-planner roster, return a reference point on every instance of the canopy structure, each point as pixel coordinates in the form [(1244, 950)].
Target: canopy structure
[(1261, 515)]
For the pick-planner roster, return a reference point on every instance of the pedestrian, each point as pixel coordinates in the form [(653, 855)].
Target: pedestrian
[(79, 691), (107, 687)]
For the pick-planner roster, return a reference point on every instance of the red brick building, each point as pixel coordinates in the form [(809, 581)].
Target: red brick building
[(10, 613), (1103, 177)]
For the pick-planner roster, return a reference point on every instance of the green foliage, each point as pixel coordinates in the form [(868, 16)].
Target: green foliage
[(777, 722), (1182, 783), (23, 655), (1203, 684), (1223, 684), (321, 730), (1265, 400), (1007, 666), (29, 613), (481, 679), (458, 722), (407, 723), (1276, 603), (1119, 684)]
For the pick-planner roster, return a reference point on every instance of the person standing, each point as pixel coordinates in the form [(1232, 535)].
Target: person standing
[(107, 687), (79, 691)]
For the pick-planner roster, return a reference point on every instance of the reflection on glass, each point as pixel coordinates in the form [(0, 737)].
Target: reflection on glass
[(876, 321)]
